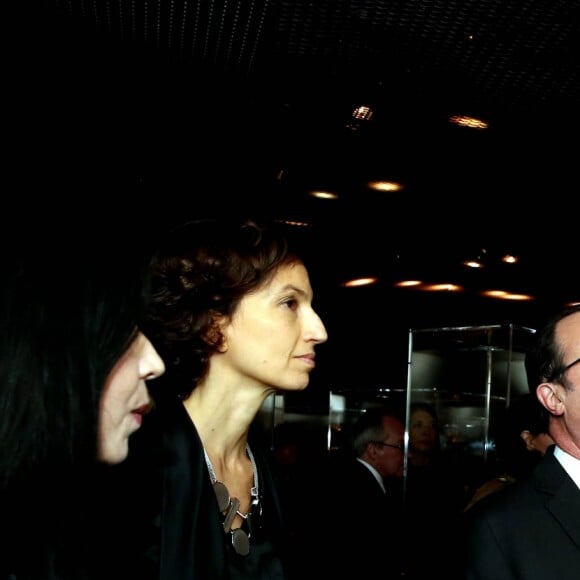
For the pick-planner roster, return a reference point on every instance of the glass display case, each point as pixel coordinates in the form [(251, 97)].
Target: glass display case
[(467, 374)]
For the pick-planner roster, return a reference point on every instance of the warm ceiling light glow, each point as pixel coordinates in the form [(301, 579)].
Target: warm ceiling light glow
[(503, 295), (509, 259), (514, 296), (447, 287), (362, 113), (295, 223), (385, 185), (476, 259), (466, 121), (407, 283), (323, 194), (494, 293), (360, 282), (473, 264)]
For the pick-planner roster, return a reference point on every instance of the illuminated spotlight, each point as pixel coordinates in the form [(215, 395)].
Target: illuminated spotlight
[(516, 296), (476, 260), (503, 295), (294, 223), (509, 259), (470, 122), (319, 194), (408, 283), (447, 287), (473, 263), (360, 282), (362, 114), (385, 185), (494, 293)]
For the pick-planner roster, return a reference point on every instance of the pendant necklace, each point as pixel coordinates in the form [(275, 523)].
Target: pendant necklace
[(229, 506)]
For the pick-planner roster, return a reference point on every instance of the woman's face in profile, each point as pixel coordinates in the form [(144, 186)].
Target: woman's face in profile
[(125, 398), (272, 336)]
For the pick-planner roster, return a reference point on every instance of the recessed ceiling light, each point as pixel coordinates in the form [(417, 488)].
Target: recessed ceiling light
[(467, 121), (363, 113), (385, 185), (295, 223), (407, 283), (504, 295), (473, 263), (360, 282), (446, 287), (319, 194)]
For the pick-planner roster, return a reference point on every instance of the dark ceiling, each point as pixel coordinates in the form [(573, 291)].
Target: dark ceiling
[(178, 109)]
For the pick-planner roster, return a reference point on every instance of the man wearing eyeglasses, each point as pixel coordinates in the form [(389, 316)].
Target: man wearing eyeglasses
[(360, 508), (378, 445), (531, 531)]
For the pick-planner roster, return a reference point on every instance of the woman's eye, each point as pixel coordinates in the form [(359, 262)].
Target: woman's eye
[(291, 303)]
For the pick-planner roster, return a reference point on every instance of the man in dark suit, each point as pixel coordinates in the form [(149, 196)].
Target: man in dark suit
[(531, 530), (356, 527)]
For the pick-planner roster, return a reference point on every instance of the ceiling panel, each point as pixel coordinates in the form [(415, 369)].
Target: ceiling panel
[(175, 109)]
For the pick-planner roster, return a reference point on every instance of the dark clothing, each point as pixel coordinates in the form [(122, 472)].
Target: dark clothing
[(530, 530), (56, 530), (355, 528), (173, 524), (434, 501)]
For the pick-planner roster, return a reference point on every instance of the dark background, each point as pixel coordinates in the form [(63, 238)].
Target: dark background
[(142, 115)]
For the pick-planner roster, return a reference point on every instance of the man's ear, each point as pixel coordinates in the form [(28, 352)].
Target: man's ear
[(550, 398)]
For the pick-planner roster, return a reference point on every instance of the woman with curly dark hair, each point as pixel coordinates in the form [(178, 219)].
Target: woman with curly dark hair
[(232, 316)]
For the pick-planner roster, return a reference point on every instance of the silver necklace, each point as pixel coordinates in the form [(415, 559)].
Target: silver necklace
[(229, 506)]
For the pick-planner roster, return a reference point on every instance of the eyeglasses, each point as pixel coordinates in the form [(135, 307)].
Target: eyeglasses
[(559, 373), (399, 446)]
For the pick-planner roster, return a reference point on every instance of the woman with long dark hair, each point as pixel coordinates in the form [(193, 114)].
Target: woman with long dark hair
[(73, 370)]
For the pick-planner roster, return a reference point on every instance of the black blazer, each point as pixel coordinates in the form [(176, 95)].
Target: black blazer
[(354, 527), (172, 528), (530, 531)]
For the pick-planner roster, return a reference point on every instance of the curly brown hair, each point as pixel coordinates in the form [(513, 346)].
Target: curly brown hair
[(201, 271)]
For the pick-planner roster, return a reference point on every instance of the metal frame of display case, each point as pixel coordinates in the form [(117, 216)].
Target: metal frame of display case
[(466, 372)]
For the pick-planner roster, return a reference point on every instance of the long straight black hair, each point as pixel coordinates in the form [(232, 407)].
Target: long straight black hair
[(68, 312)]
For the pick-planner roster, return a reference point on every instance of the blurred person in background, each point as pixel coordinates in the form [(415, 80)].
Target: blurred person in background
[(353, 514), (521, 441), (434, 497)]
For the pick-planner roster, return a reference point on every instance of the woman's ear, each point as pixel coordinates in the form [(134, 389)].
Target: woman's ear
[(215, 335), (550, 398)]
